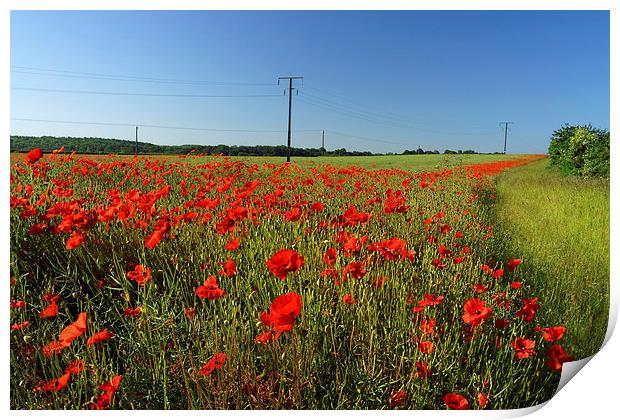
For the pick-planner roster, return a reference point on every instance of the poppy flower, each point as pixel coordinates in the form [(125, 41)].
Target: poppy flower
[(498, 273), (551, 333), (512, 264), (426, 347), (50, 311), (18, 304), (475, 312), (216, 362), (284, 262), (189, 313), (348, 299), (230, 269), (75, 367), (330, 256), (355, 269), (55, 384), (523, 347), (20, 326), (99, 337), (132, 313), (456, 401), (140, 274), (482, 399), (233, 244), (422, 370), (210, 290), (282, 313), (109, 388), (264, 338), (34, 155), (152, 240), (73, 331), (557, 357), (76, 239), (397, 398), (528, 311)]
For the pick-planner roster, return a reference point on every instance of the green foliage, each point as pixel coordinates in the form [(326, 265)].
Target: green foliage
[(93, 145), (580, 150), (569, 262)]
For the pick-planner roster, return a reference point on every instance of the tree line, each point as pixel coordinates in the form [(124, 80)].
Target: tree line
[(96, 145)]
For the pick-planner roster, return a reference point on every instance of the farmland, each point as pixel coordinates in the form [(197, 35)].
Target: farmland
[(212, 283)]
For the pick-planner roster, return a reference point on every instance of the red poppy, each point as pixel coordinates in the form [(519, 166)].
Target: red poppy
[(475, 312), (355, 268), (99, 337), (140, 274), (210, 290), (397, 398), (153, 239), (73, 331), (109, 388), (50, 311), (422, 370), (233, 244), (190, 313), (456, 401), (284, 262), (132, 313), (482, 399), (264, 338), (55, 384), (18, 304), (76, 239), (330, 256), (34, 155), (523, 347), (348, 299), (282, 313), (216, 362), (551, 333), (498, 273), (557, 357), (230, 269), (529, 309), (426, 347), (512, 264), (19, 326), (75, 367)]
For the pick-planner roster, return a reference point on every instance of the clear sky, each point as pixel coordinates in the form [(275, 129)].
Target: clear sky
[(378, 81)]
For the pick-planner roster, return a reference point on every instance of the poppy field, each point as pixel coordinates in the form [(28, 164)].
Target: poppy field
[(198, 282)]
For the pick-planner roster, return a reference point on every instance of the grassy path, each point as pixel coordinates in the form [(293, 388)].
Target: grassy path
[(560, 227)]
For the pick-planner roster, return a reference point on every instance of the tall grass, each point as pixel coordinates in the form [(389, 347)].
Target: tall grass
[(560, 226)]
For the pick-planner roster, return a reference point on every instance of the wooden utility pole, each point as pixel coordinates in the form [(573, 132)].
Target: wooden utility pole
[(323, 141), (290, 102), (505, 132), (136, 139)]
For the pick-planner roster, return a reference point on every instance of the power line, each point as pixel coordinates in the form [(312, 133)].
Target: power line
[(363, 117), (77, 74), (88, 92), (159, 126)]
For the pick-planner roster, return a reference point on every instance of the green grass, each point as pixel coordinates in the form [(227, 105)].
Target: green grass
[(404, 162), (560, 226)]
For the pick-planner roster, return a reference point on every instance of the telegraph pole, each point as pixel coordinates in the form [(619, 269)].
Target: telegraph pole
[(505, 132), (136, 139), (290, 102), (323, 141)]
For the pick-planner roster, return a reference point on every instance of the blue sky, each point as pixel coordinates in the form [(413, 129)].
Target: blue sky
[(378, 81)]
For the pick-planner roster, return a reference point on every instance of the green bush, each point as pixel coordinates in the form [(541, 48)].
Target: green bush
[(580, 150)]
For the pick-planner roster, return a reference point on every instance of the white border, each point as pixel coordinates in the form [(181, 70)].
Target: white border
[(592, 394)]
